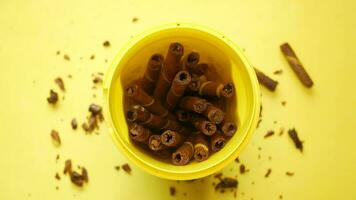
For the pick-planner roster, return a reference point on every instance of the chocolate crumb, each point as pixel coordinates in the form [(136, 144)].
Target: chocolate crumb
[(242, 169), (172, 191), (226, 183), (268, 173), (58, 52), (67, 166), (69, 76), (218, 175), (294, 136), (117, 167), (66, 57), (283, 103), (106, 44), (55, 137), (74, 124), (269, 134), (57, 188), (57, 176), (134, 19), (277, 72), (57, 157), (95, 109), (53, 97), (290, 173), (237, 160), (92, 57), (97, 80), (280, 196), (76, 178), (60, 83), (126, 167), (85, 175), (281, 131)]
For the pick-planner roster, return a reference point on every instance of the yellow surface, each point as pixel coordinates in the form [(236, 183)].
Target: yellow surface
[(231, 66), (322, 34)]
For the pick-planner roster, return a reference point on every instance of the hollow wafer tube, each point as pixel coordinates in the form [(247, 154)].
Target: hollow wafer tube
[(139, 133), (217, 141), (214, 114), (213, 88), (170, 68), (201, 147), (155, 143), (190, 61), (228, 127), (196, 82), (171, 138), (203, 125), (151, 74), (194, 104), (199, 69), (179, 84), (183, 154), (140, 115), (266, 81)]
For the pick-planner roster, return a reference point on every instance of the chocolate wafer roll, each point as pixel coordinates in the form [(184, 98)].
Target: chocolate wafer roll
[(214, 114), (217, 141), (213, 88), (182, 115), (170, 68), (190, 61), (140, 96), (171, 125), (151, 74), (155, 143), (139, 133), (171, 138), (183, 154), (228, 127), (296, 65), (195, 104), (203, 125), (179, 84), (199, 69), (201, 147), (265, 80), (140, 115), (196, 82)]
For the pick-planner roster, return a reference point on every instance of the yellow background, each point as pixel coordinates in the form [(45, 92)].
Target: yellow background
[(323, 33)]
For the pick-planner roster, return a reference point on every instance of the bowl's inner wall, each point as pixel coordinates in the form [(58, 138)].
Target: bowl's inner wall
[(212, 50)]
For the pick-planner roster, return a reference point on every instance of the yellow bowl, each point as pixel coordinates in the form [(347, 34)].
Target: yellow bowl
[(215, 49)]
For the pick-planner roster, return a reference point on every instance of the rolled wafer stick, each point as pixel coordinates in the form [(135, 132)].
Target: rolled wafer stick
[(214, 88), (199, 69), (155, 143), (140, 115), (170, 68), (266, 81), (183, 154), (140, 96), (228, 127), (201, 147), (179, 84), (171, 125), (151, 74), (182, 115), (196, 82), (203, 125), (296, 65), (171, 138), (195, 104), (139, 133), (190, 61), (214, 114), (217, 141)]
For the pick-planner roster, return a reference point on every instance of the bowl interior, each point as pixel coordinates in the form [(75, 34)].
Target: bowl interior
[(214, 49)]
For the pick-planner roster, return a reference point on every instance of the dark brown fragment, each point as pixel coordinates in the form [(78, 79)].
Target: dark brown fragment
[(214, 114), (226, 183), (290, 173), (296, 65), (74, 124), (172, 138), (58, 52), (92, 57), (281, 131), (66, 57), (278, 72), (179, 84), (67, 167), (57, 157), (294, 136), (126, 167), (117, 167), (266, 81), (268, 173), (60, 83), (269, 134), (183, 154), (218, 175), (151, 74), (95, 109), (217, 141), (57, 176), (134, 19), (97, 80), (55, 137), (53, 97), (85, 175), (237, 160), (194, 104), (172, 191), (106, 43), (242, 169), (283, 103)]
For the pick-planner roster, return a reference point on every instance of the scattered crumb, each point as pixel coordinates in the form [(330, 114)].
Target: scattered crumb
[(106, 44), (55, 137), (60, 83), (294, 136), (226, 183), (172, 191), (260, 117), (97, 80), (268, 173), (280, 196), (76, 178), (69, 76), (53, 97), (57, 188), (85, 175), (218, 175), (92, 57), (58, 52), (67, 166), (134, 19), (237, 160), (74, 124), (269, 157), (281, 131), (57, 176), (57, 157), (117, 167), (283, 103), (66, 57), (242, 169), (126, 167), (269, 134), (278, 72), (290, 173)]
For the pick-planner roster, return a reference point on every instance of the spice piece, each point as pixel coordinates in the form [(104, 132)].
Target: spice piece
[(213, 88), (74, 124), (277, 72), (203, 125), (55, 137), (171, 138), (268, 173), (217, 141), (237, 160), (151, 74), (183, 154), (266, 81), (194, 104), (60, 83), (179, 84), (226, 183), (228, 127), (66, 57), (57, 176), (155, 143), (126, 167), (170, 68), (57, 157), (280, 196), (290, 173), (53, 97), (106, 43), (172, 191), (139, 133), (294, 136), (67, 167), (201, 147), (269, 134), (296, 65), (214, 114), (58, 52)]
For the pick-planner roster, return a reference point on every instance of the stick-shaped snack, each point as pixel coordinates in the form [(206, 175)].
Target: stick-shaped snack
[(172, 125), (190, 61), (151, 75), (296, 65), (139, 133), (213, 88), (139, 114), (228, 127), (194, 104), (171, 138), (140, 96), (201, 147), (182, 115), (217, 141), (179, 84), (183, 154), (199, 69), (155, 143), (170, 68), (214, 114), (203, 125), (196, 82), (266, 81)]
